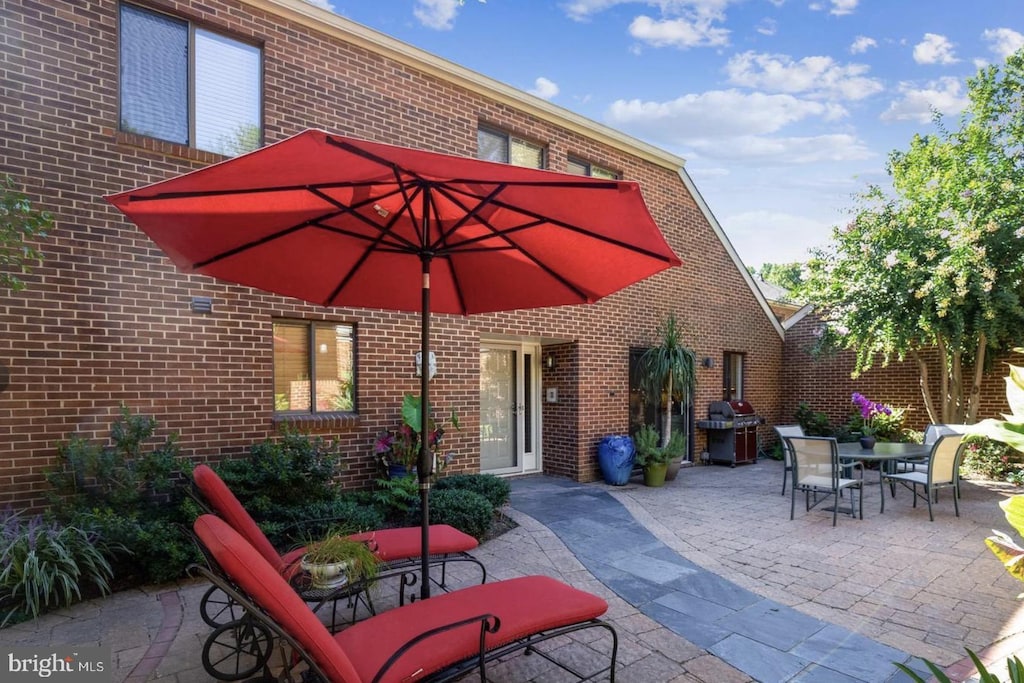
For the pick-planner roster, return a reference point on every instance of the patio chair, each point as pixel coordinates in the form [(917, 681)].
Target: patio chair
[(397, 549), (817, 470), (438, 639), (787, 457), (932, 432), (942, 471)]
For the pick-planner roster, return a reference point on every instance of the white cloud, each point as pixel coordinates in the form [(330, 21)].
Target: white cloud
[(436, 14), (544, 88), (1003, 42), (934, 49), (736, 126), (839, 7), (811, 149), (916, 104), (817, 76), (862, 44), (325, 4), (681, 33), (767, 27), (716, 113), (842, 7)]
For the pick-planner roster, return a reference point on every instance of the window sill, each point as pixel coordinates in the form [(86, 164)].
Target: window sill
[(318, 421), (173, 149)]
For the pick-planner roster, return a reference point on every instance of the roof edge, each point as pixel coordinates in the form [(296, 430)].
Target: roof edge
[(798, 316), (323, 20), (724, 239)]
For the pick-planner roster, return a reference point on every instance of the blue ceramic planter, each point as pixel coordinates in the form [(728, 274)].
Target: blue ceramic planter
[(615, 455)]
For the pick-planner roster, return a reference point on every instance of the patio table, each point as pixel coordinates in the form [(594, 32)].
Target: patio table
[(884, 453)]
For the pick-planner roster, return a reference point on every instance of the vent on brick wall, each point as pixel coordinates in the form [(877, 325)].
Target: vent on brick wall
[(202, 304)]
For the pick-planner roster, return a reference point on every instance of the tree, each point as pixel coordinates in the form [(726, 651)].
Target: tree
[(19, 223), (670, 369), (939, 265), (789, 276)]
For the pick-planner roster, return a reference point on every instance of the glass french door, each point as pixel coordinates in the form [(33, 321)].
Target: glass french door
[(509, 408)]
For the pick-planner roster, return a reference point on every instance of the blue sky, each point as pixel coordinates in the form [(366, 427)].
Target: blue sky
[(782, 108)]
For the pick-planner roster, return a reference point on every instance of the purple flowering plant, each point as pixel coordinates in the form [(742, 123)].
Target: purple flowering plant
[(868, 411)]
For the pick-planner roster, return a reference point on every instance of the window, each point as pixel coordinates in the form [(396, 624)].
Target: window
[(586, 168), (650, 410), (732, 377), (324, 351), (493, 145), (188, 85)]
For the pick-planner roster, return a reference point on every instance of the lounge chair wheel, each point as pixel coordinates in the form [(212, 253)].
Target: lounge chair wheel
[(217, 609), (237, 650)]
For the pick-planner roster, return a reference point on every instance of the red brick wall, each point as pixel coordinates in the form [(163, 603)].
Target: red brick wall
[(106, 319), (825, 383)]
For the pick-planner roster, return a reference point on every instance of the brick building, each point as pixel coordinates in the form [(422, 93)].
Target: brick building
[(96, 101), (101, 96)]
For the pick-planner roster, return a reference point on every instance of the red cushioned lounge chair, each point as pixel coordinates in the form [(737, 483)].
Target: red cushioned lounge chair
[(438, 639), (397, 549)]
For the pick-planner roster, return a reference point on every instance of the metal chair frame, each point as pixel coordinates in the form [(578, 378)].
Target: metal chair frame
[(817, 470)]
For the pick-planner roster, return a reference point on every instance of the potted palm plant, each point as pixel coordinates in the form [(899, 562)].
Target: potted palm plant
[(668, 370), (336, 560), (651, 457)]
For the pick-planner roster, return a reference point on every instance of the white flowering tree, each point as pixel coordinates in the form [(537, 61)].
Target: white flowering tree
[(938, 263)]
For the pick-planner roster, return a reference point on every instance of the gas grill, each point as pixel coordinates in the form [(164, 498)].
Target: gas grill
[(732, 432)]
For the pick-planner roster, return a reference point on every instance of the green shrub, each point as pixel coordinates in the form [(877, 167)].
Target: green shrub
[(397, 497), (280, 472), (813, 422), (43, 564), (990, 459), (125, 493), (314, 520), (495, 489), (465, 510)]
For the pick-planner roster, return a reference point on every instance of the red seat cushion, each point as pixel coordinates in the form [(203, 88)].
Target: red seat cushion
[(525, 606), (250, 570), (404, 543), (226, 505)]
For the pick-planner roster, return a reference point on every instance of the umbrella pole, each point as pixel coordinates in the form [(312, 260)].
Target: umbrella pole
[(425, 460)]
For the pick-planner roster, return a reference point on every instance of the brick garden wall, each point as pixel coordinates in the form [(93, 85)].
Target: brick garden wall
[(825, 383), (106, 318)]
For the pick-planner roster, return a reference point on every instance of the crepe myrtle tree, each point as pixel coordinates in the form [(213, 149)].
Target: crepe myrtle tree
[(20, 224), (939, 263)]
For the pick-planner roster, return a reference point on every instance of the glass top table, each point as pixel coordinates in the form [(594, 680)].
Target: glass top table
[(884, 453)]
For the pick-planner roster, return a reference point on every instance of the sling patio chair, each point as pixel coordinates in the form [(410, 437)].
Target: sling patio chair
[(398, 550), (437, 639), (942, 471), (931, 434), (817, 470), (787, 457)]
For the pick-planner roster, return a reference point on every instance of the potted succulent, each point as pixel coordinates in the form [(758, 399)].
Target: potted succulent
[(337, 560), (651, 457)]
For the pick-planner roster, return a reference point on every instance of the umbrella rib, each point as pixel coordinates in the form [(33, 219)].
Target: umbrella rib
[(194, 194), (257, 242), (540, 218), (384, 230)]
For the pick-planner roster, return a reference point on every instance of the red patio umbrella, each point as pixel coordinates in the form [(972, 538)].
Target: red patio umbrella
[(343, 222)]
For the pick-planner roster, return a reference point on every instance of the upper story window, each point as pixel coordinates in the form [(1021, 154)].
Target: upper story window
[(314, 367), (580, 167), (495, 145), (187, 85)]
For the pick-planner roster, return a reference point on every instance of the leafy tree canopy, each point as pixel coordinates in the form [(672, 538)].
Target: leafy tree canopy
[(939, 262), (19, 225)]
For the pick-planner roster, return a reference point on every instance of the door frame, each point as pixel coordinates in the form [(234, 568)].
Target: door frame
[(529, 460)]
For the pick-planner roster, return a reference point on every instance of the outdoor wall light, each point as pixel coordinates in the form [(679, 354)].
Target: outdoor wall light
[(550, 362), (708, 362)]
